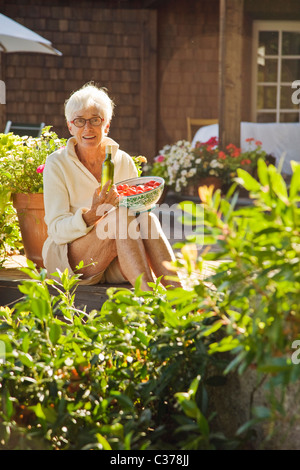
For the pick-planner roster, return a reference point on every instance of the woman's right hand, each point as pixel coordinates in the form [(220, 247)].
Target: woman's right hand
[(103, 201)]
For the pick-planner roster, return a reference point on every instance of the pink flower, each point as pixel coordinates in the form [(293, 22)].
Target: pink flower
[(212, 141), (159, 158), (40, 168)]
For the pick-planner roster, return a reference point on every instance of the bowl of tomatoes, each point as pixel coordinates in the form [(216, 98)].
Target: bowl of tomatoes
[(140, 194)]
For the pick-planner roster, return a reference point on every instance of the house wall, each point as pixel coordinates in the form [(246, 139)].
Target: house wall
[(160, 64), (107, 45), (187, 65)]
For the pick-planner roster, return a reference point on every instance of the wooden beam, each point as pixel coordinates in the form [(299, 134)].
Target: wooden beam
[(2, 91), (230, 71), (151, 3), (148, 103)]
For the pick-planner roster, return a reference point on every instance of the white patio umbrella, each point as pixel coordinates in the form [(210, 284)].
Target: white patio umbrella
[(17, 38)]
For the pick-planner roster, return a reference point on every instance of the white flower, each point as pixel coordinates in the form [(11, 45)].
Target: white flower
[(215, 164), (29, 160), (191, 173)]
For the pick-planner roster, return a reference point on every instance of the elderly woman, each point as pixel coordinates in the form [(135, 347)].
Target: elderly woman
[(78, 211)]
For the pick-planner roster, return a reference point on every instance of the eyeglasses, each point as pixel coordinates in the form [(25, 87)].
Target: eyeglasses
[(81, 122)]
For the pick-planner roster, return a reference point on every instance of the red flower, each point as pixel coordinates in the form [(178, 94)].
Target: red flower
[(236, 152), (258, 142), (40, 168), (230, 147), (222, 155), (245, 161), (250, 139)]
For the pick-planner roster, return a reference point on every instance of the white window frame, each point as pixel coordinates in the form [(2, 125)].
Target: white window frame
[(269, 25)]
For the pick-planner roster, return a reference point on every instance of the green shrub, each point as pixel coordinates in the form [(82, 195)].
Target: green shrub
[(138, 373), (258, 280), (123, 378), (10, 233)]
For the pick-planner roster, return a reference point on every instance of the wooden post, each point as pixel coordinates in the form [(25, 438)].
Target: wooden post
[(230, 71), (148, 109), (2, 93)]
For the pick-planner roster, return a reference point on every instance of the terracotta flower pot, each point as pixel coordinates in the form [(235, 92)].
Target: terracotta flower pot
[(209, 181), (31, 213)]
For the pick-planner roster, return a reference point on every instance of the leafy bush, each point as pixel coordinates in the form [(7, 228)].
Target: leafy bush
[(138, 374), (260, 277), (10, 233), (258, 280), (123, 378)]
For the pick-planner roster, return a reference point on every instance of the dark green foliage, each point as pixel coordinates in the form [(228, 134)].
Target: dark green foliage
[(138, 373)]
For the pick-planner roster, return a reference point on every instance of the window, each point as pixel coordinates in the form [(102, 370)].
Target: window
[(276, 65)]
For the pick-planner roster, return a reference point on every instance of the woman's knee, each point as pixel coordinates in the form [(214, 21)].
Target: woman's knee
[(149, 225)]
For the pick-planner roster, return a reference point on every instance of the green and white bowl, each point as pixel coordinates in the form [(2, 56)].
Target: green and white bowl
[(144, 201)]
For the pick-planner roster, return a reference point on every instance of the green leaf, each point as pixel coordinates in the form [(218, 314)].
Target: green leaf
[(38, 410), (278, 185), (213, 328), (123, 399), (26, 359), (8, 407), (113, 429), (54, 333), (295, 182), (246, 180), (261, 412), (77, 349), (26, 343), (194, 386), (262, 172), (105, 445)]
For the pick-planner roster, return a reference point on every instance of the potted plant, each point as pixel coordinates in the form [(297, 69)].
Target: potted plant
[(185, 168), (22, 162)]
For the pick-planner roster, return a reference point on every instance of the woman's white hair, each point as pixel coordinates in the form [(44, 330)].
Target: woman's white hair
[(87, 96)]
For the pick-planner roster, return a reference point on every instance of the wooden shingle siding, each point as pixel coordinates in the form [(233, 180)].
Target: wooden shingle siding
[(159, 60)]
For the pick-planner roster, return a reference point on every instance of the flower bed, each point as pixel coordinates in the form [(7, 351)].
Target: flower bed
[(182, 165)]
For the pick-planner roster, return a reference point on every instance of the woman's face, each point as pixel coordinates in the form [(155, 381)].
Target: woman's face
[(88, 136)]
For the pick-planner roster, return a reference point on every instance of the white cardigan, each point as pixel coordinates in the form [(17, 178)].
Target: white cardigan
[(68, 192)]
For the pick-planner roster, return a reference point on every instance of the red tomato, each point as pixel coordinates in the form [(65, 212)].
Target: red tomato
[(126, 190)]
